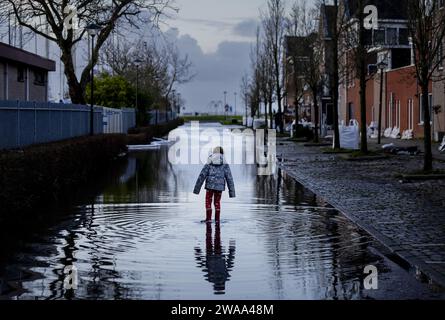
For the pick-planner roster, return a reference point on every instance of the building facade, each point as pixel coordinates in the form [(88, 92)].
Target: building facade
[(23, 75), (388, 43)]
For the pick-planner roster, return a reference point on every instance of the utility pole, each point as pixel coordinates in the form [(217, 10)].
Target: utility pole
[(381, 65), (225, 104), (235, 103)]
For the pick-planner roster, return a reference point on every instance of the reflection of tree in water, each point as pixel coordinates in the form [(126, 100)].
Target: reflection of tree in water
[(216, 264), (101, 282), (152, 176)]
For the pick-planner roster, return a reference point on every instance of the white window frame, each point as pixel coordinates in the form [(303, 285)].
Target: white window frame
[(421, 122), (410, 114)]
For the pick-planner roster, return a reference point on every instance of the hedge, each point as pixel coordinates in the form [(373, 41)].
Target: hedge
[(39, 175), (143, 135)]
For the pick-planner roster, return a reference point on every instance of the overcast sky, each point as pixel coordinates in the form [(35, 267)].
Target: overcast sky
[(217, 36)]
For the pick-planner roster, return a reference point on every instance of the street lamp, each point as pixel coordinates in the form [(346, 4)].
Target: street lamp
[(225, 104), (381, 66), (235, 102), (93, 30)]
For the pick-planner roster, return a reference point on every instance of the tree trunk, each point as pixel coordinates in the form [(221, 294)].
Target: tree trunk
[(265, 113), (316, 116), (428, 155), (335, 79), (278, 93), (270, 113), (362, 71), (76, 92)]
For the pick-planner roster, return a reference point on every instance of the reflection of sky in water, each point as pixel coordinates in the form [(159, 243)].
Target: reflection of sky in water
[(144, 240)]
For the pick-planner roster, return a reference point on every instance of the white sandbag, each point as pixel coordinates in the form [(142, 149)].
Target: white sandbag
[(387, 133), (407, 135), (350, 135), (442, 146), (395, 133)]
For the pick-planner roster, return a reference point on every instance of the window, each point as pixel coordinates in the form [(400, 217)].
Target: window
[(20, 74), (391, 36), (39, 78), (403, 37), (390, 111), (410, 114), (379, 37), (430, 101), (350, 111)]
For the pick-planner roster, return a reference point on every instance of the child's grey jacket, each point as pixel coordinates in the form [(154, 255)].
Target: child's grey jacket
[(216, 173)]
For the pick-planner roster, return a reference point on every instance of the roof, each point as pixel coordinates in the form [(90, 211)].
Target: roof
[(387, 9), (299, 46), (11, 53)]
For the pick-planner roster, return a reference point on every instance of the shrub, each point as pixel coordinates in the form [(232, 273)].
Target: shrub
[(142, 135), (40, 174)]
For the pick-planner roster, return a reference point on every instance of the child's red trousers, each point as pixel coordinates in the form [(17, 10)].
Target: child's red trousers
[(216, 196)]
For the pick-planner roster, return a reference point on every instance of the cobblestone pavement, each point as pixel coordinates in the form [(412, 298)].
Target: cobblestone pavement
[(408, 218)]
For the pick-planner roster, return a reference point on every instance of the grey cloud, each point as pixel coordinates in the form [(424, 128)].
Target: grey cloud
[(215, 72), (207, 23), (246, 28)]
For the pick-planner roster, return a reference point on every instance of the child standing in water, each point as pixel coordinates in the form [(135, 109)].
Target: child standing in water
[(216, 173)]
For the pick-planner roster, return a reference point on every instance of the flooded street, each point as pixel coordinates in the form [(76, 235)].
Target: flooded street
[(142, 238)]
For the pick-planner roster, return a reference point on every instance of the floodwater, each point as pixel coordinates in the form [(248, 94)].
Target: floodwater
[(141, 238)]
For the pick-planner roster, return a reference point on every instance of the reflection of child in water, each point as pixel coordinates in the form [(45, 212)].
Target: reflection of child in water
[(214, 263)]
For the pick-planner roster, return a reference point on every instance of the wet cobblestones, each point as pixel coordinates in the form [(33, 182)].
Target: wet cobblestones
[(408, 218)]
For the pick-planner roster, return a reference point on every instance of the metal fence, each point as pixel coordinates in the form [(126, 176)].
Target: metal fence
[(160, 117), (118, 120), (24, 123)]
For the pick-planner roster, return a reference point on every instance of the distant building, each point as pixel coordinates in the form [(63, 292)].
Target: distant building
[(23, 75), (326, 33), (297, 51)]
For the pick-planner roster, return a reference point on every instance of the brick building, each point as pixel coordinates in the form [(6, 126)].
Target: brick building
[(297, 51), (23, 75), (389, 43)]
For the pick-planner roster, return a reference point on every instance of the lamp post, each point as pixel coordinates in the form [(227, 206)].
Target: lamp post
[(93, 30), (381, 66), (138, 62), (236, 94), (225, 105)]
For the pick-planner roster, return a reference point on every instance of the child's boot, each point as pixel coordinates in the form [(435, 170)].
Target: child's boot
[(208, 215), (217, 216)]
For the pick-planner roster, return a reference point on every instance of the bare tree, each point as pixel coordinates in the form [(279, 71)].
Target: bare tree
[(362, 71), (274, 29), (313, 77), (255, 83), (245, 92), (41, 16), (427, 29), (339, 24), (179, 70), (354, 50), (266, 81), (296, 27)]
